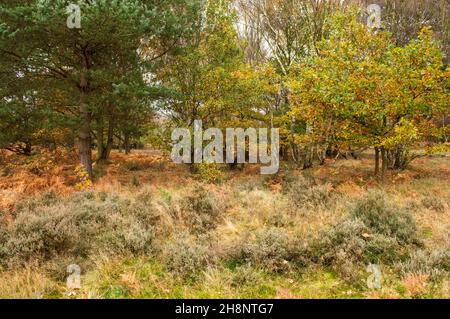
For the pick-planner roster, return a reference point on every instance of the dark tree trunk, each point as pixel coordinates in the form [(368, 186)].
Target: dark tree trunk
[(294, 147), (104, 150), (100, 138), (377, 161), (109, 140), (126, 143), (27, 149), (85, 140), (307, 157), (399, 158), (85, 131), (332, 151), (384, 163)]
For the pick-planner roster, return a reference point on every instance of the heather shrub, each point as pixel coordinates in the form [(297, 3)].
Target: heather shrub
[(135, 181), (80, 226), (201, 210), (433, 264), (412, 205), (349, 244), (385, 217), (246, 275), (433, 203), (303, 195), (43, 234), (271, 249), (376, 231), (126, 236), (46, 199), (3, 239), (185, 256)]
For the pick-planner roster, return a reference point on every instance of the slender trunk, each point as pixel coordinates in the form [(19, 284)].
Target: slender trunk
[(293, 146), (85, 140), (384, 155), (109, 140), (27, 149), (85, 131), (100, 138), (384, 163), (377, 161), (104, 150), (321, 155), (126, 143), (308, 150), (307, 157)]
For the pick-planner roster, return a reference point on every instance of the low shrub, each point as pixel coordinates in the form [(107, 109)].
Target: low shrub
[(271, 249), (348, 245), (303, 195), (79, 226), (201, 210), (385, 217), (432, 264), (246, 275), (376, 231), (135, 181), (185, 256), (249, 185), (433, 203), (46, 199)]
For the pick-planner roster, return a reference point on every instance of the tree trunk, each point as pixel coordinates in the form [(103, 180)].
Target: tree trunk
[(307, 157), (399, 157), (104, 150), (384, 155), (332, 151), (126, 143), (109, 140), (384, 163), (85, 140), (294, 148), (308, 150), (321, 155), (85, 131), (377, 161), (100, 138)]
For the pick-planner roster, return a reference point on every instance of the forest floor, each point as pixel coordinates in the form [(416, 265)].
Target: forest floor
[(149, 228)]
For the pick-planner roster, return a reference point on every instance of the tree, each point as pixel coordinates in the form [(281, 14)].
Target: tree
[(21, 112), (363, 90), (202, 74), (288, 33), (405, 19), (80, 67)]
